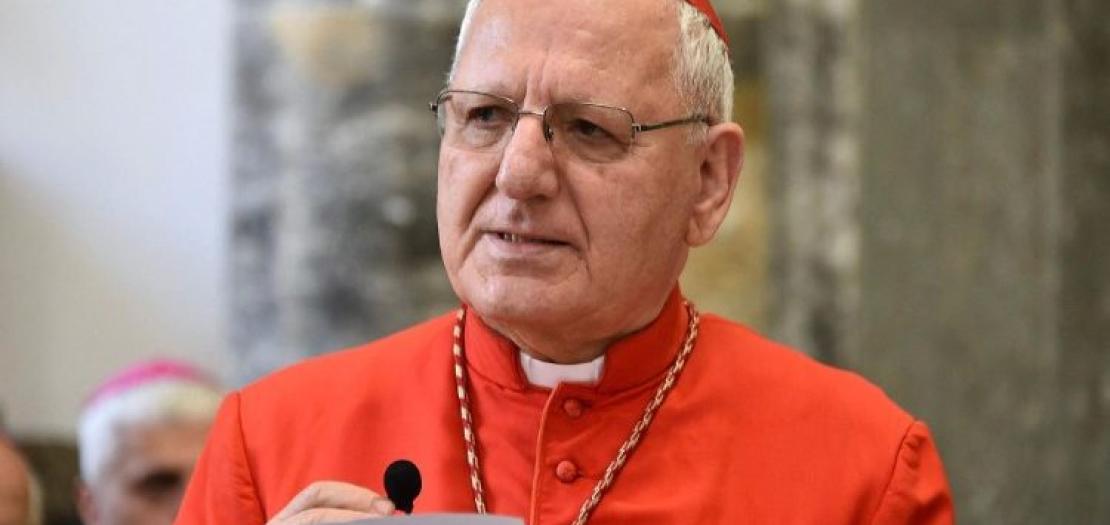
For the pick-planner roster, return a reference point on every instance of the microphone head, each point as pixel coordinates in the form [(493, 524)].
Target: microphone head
[(402, 484)]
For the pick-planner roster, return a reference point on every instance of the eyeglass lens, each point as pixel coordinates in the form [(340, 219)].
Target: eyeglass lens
[(482, 122)]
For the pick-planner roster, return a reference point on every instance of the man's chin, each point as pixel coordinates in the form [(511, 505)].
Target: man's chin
[(516, 300)]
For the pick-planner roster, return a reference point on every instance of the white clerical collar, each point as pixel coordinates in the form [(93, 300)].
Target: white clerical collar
[(549, 375)]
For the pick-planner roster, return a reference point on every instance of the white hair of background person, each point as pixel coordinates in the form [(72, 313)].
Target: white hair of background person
[(702, 72), (167, 400)]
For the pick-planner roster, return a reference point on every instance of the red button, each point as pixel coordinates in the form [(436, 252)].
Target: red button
[(573, 408), (566, 471)]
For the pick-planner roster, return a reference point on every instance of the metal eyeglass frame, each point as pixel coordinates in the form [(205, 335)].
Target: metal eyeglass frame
[(548, 133)]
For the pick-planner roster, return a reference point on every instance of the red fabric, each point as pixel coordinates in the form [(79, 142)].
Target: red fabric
[(752, 433), (705, 6)]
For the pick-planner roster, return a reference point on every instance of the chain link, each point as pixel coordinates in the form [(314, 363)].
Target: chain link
[(464, 412)]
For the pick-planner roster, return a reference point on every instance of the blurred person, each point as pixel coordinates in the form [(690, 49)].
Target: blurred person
[(585, 148), (139, 436), (20, 493)]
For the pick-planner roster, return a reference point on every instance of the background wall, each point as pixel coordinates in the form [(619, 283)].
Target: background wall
[(113, 168)]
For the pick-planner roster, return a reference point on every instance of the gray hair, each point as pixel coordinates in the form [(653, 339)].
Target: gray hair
[(702, 71)]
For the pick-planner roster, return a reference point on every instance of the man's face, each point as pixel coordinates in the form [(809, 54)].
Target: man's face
[(619, 228), (147, 477)]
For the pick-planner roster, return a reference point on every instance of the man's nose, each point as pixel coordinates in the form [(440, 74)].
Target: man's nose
[(527, 166)]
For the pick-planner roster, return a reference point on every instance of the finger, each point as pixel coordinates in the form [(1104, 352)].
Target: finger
[(336, 495), (318, 516)]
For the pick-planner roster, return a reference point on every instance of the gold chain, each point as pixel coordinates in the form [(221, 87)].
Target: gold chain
[(464, 411), (622, 454)]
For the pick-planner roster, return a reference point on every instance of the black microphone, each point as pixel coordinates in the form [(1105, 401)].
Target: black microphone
[(402, 484)]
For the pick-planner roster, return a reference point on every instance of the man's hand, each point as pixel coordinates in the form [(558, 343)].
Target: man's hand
[(333, 502)]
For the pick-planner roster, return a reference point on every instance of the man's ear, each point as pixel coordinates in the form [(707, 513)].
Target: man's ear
[(718, 174)]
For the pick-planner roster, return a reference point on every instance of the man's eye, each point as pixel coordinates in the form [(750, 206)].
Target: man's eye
[(159, 483), (487, 115), (584, 129)]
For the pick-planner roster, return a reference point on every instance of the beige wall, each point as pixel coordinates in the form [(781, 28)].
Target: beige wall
[(112, 204)]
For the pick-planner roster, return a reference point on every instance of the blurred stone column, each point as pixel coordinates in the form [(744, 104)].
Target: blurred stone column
[(1084, 252), (961, 205), (334, 237), (949, 236), (812, 56), (985, 229)]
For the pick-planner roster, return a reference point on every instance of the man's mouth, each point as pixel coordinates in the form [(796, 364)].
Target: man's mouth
[(516, 238)]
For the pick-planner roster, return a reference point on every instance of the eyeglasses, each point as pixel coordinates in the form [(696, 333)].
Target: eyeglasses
[(593, 132)]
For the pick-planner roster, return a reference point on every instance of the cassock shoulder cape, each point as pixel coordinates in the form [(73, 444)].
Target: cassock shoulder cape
[(751, 433)]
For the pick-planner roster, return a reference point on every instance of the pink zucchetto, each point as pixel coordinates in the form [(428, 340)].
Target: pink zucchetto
[(146, 372)]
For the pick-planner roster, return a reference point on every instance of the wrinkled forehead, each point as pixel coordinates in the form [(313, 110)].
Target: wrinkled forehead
[(570, 50)]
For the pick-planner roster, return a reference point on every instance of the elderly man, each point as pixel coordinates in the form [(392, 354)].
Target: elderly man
[(139, 436), (20, 497), (586, 147)]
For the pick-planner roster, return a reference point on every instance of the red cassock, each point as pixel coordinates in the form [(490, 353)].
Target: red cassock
[(751, 433)]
